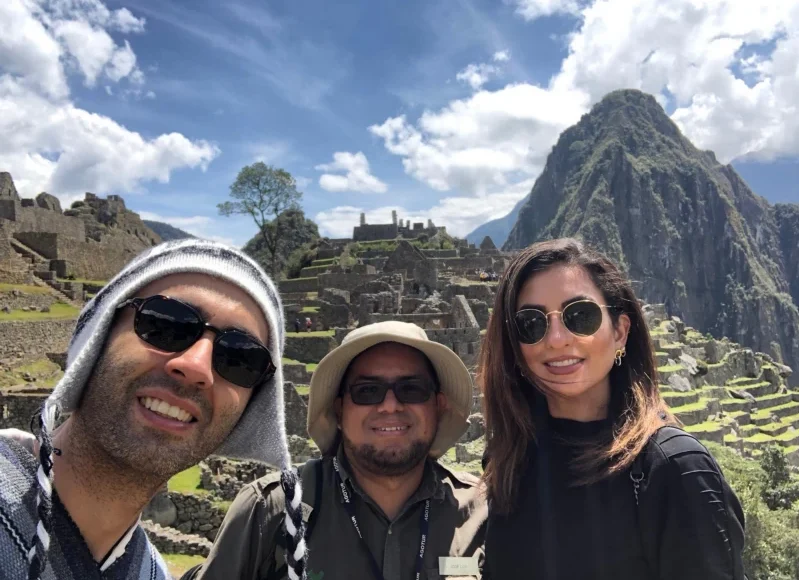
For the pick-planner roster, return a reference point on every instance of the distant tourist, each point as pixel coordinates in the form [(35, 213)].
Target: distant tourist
[(296, 325), (178, 357), (587, 474), (383, 406), (308, 324)]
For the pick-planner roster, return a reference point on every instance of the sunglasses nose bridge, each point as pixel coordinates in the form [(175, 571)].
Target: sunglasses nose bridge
[(194, 366), (557, 335), (390, 402)]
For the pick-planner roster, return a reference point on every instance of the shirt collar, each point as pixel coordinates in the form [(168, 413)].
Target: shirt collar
[(430, 487), (119, 548)]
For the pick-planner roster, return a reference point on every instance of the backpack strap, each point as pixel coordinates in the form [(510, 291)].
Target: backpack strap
[(316, 500)]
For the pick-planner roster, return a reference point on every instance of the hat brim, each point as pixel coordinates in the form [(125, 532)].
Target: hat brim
[(454, 379)]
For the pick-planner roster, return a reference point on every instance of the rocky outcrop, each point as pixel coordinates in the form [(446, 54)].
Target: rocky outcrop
[(687, 229)]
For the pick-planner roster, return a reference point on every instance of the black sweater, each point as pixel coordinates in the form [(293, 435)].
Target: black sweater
[(688, 524)]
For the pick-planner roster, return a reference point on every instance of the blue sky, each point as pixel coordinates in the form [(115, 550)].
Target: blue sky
[(438, 108)]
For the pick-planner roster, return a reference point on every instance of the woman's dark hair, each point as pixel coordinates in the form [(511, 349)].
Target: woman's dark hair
[(509, 389)]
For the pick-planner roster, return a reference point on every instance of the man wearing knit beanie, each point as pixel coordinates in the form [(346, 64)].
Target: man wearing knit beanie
[(178, 357)]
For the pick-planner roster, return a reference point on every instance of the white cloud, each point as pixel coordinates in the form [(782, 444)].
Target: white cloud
[(28, 50), (501, 56), (357, 177), (476, 75), (60, 148), (40, 37), (532, 9), (126, 22), (122, 64), (50, 144), (727, 70), (303, 181), (479, 144), (728, 67)]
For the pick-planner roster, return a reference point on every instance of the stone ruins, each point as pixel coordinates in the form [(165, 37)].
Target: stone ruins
[(51, 261)]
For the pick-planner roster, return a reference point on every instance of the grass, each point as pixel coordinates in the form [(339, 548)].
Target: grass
[(706, 427), (179, 564), (58, 311), (691, 407), (45, 373), (187, 481), (302, 389), (760, 438), (313, 309), (739, 380), (24, 288), (313, 333), (222, 505), (85, 281), (311, 367), (670, 368)]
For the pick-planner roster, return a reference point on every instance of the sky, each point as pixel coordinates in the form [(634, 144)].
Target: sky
[(440, 109)]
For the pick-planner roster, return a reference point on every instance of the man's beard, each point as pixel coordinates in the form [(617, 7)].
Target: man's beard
[(390, 462), (105, 419)]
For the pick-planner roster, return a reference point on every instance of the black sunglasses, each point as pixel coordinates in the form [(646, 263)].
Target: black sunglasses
[(172, 325), (407, 392), (582, 318)]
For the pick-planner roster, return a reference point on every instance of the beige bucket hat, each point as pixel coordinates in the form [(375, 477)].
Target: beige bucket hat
[(455, 380)]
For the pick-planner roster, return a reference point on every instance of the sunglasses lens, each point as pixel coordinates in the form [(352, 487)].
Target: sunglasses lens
[(368, 393), (583, 318), (241, 360), (167, 324), (413, 393), (532, 325)]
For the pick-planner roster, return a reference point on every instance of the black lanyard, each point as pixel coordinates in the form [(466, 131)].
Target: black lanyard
[(424, 525)]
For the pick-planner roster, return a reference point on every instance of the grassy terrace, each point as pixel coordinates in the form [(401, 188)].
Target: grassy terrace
[(58, 311), (313, 333), (24, 288)]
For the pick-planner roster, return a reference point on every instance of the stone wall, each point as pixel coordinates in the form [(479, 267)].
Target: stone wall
[(462, 316), (372, 232), (297, 285), (170, 541), (97, 261), (308, 348), (16, 410), (32, 339), (441, 253), (344, 281), (19, 299), (482, 292), (13, 269), (196, 515), (37, 219)]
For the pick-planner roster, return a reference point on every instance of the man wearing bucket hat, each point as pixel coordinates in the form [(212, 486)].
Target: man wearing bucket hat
[(383, 406), (176, 358)]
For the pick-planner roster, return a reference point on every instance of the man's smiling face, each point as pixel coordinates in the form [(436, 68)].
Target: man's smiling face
[(162, 412)]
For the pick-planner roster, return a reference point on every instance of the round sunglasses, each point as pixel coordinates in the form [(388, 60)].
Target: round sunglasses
[(172, 325), (581, 318)]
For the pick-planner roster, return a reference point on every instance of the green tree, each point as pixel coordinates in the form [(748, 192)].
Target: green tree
[(295, 248), (263, 192)]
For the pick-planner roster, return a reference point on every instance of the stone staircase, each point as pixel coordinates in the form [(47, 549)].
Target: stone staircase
[(740, 400), (43, 275)]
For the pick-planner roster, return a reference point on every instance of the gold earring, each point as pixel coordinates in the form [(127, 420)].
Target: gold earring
[(619, 354)]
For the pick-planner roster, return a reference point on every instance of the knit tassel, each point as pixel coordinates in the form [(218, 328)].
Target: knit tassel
[(295, 527), (37, 555)]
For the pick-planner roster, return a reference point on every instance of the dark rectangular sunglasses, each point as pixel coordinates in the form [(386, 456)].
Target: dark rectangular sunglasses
[(407, 392), (581, 318), (172, 325)]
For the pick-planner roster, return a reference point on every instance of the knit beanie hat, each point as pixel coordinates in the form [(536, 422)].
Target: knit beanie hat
[(260, 433)]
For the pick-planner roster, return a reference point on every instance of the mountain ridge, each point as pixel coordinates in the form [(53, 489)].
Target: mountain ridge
[(687, 229)]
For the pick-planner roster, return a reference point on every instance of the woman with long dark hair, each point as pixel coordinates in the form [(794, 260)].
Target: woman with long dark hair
[(587, 474)]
